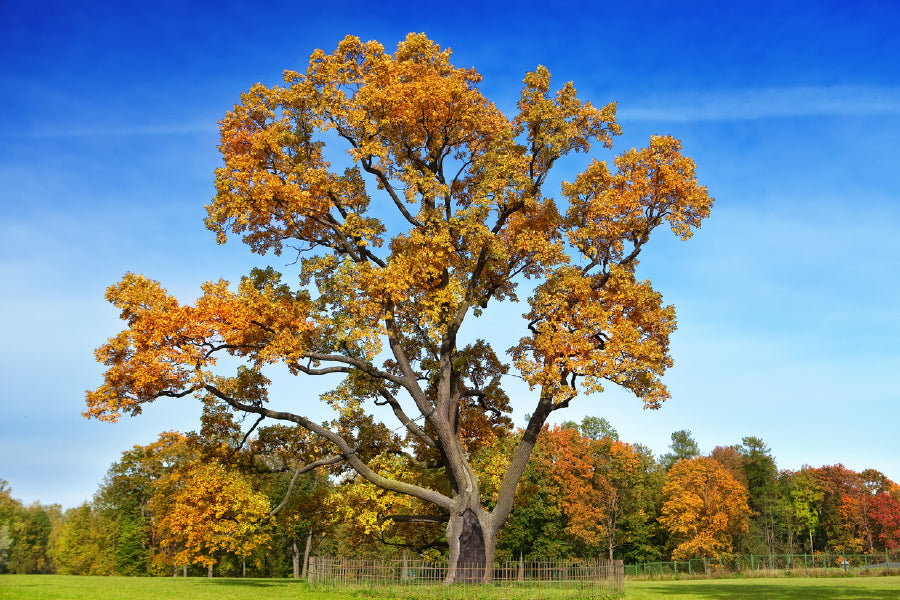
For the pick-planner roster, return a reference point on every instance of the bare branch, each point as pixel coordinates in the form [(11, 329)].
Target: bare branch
[(246, 435), (332, 460)]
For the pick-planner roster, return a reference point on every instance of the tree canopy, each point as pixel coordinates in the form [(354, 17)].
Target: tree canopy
[(440, 211)]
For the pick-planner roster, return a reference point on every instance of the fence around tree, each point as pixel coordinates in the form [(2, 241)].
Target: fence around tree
[(796, 563), (519, 580)]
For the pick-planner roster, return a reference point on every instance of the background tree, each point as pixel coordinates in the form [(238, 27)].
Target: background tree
[(806, 503), (383, 297), (841, 522), (10, 510), (761, 477), (705, 507), (595, 428), (683, 447), (601, 480), (123, 501), (82, 547), (33, 533), (885, 512), (213, 511)]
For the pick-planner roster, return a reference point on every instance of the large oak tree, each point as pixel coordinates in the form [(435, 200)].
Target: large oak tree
[(441, 212)]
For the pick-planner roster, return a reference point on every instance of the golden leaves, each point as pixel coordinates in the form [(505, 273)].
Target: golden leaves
[(653, 185), (212, 510), (617, 332), (704, 507), (555, 127)]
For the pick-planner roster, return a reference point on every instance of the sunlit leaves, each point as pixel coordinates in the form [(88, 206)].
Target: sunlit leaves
[(213, 511), (704, 508)]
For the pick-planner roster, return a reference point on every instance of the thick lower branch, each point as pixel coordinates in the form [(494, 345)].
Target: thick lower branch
[(417, 518), (520, 458), (347, 451)]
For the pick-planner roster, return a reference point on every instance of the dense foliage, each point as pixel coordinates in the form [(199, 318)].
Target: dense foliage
[(185, 504)]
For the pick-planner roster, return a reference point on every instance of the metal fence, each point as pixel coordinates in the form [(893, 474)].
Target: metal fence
[(795, 563), (518, 580)]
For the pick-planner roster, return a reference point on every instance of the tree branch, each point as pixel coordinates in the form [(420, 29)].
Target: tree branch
[(344, 447), (299, 471), (409, 423)]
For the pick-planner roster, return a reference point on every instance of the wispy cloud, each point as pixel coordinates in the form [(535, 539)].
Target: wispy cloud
[(735, 105), (88, 131)]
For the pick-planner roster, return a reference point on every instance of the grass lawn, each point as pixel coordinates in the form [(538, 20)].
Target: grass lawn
[(63, 587), (822, 588), (72, 587)]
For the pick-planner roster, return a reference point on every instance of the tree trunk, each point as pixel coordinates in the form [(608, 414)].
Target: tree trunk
[(295, 558), (209, 570), (471, 561), (473, 545), (471, 530), (306, 554)]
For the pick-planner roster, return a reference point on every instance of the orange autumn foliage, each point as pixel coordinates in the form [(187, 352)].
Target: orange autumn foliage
[(600, 481), (704, 508)]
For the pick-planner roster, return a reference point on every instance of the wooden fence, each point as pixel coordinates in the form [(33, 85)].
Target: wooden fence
[(798, 564), (511, 580)]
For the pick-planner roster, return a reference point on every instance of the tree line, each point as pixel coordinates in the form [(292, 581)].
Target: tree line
[(222, 502)]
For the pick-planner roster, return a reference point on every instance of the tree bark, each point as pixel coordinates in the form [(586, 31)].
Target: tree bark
[(472, 538), (306, 553), (471, 558), (295, 558)]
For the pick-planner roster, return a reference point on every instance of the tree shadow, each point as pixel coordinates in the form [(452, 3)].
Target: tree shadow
[(252, 583)]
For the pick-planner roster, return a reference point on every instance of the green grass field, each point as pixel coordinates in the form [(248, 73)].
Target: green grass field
[(824, 588), (62, 587)]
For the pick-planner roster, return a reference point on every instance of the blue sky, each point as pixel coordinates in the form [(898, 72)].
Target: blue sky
[(787, 297)]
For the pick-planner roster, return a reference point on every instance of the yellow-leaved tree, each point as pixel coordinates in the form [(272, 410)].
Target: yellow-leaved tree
[(704, 508), (212, 511), (440, 212)]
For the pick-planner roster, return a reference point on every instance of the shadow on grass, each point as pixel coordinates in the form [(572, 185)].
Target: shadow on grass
[(250, 583), (774, 592)]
